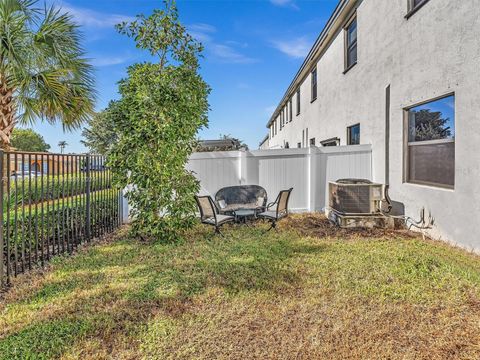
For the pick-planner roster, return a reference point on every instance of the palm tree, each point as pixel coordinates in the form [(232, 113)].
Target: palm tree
[(43, 72), (62, 145)]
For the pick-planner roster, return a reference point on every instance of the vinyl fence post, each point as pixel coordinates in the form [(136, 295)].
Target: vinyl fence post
[(87, 196), (3, 180)]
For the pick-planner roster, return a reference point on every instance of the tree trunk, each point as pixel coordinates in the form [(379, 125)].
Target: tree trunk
[(7, 114), (7, 123)]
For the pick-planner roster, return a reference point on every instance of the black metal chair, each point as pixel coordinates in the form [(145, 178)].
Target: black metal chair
[(209, 213), (280, 211)]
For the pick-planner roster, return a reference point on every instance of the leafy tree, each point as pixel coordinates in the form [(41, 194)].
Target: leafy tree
[(164, 105), (101, 133), (43, 71), (429, 125), (28, 140), (62, 145), (233, 144)]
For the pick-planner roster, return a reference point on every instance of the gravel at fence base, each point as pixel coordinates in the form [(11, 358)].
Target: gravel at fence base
[(317, 225)]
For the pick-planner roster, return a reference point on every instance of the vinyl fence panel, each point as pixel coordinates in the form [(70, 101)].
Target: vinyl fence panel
[(307, 170)]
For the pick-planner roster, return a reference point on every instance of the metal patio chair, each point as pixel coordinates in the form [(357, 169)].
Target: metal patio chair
[(280, 211), (209, 213)]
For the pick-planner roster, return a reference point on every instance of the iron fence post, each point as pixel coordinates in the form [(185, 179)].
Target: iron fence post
[(87, 196)]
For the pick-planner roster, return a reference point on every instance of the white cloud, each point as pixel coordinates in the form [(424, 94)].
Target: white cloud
[(202, 27), (201, 32), (280, 2), (227, 53), (223, 52), (243, 86), (295, 48), (91, 18), (109, 60), (290, 3)]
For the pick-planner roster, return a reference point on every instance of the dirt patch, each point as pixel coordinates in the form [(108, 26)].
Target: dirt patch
[(317, 225)]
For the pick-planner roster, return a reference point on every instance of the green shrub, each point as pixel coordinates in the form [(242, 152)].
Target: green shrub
[(59, 227), (29, 190)]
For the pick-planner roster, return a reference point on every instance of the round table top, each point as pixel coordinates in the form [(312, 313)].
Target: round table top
[(244, 212)]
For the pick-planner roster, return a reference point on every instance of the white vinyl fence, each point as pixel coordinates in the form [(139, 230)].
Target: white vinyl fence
[(307, 170)]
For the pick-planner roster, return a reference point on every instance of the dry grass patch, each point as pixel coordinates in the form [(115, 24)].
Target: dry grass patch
[(307, 291)]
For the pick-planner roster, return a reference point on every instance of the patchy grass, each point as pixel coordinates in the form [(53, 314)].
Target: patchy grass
[(307, 291)]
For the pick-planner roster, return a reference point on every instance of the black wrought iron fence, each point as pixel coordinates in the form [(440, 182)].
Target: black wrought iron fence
[(50, 204)]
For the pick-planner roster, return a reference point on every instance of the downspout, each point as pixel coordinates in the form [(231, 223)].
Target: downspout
[(387, 149)]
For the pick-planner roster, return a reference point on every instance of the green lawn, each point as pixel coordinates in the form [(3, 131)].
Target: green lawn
[(304, 292)]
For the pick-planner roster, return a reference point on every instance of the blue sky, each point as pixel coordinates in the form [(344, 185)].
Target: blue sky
[(252, 51)]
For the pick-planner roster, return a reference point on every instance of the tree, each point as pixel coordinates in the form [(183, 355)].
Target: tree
[(101, 133), (43, 71), (224, 143), (429, 125), (164, 105), (28, 140), (62, 145)]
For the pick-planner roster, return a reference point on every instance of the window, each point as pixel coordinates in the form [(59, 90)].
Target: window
[(290, 110), (299, 145), (314, 84), (330, 142), (351, 44), (287, 145), (312, 142), (298, 102), (281, 119), (275, 127), (353, 135), (414, 6), (430, 143)]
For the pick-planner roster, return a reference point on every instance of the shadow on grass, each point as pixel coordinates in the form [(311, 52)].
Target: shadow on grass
[(119, 285)]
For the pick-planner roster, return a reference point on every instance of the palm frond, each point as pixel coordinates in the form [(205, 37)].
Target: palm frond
[(45, 64)]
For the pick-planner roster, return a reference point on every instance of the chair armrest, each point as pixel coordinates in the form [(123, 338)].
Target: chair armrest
[(271, 204)]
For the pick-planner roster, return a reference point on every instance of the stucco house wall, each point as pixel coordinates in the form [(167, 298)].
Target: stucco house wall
[(434, 52)]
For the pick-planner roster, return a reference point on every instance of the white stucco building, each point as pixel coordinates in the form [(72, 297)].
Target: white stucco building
[(403, 76)]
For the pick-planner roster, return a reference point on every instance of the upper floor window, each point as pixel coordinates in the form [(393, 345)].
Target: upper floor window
[(351, 44), (312, 142), (414, 5), (353, 135), (281, 119), (314, 84), (298, 102), (290, 110), (430, 143)]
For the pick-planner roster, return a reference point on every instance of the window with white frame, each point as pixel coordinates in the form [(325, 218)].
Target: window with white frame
[(430, 143)]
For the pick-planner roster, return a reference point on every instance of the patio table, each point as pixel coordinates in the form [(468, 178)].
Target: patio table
[(241, 215)]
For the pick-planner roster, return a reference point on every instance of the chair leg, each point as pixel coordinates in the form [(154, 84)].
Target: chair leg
[(218, 232), (273, 225)]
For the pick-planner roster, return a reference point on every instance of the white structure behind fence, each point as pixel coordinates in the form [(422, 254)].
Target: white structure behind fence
[(307, 170)]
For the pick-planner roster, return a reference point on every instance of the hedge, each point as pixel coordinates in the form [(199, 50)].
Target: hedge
[(29, 190), (66, 221)]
